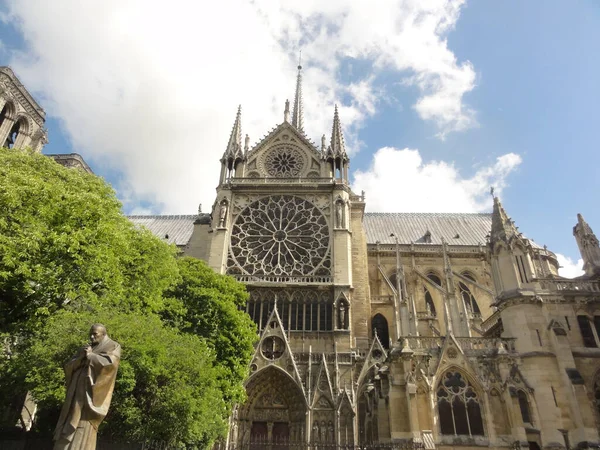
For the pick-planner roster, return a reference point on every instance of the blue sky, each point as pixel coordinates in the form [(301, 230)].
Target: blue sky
[(151, 112)]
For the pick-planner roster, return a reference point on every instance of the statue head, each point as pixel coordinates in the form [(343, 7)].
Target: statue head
[(97, 333)]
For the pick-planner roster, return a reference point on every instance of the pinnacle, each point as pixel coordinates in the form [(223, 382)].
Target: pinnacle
[(338, 146), (234, 146), (503, 227)]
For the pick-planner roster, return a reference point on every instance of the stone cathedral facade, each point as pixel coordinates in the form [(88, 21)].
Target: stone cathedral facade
[(432, 330)]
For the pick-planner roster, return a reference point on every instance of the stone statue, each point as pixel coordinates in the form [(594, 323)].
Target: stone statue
[(90, 379), (339, 214), (342, 324), (222, 214)]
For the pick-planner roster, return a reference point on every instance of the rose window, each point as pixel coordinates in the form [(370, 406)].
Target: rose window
[(284, 162), (281, 235)]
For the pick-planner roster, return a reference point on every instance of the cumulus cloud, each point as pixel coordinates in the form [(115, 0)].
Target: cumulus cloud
[(152, 89), (400, 181), (568, 267)]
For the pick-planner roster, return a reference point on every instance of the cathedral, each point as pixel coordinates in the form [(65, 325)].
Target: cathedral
[(386, 329)]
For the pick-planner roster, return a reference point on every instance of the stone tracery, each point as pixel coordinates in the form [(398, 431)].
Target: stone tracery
[(280, 235)]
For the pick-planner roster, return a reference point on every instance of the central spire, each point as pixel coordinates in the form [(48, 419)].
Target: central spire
[(297, 113)]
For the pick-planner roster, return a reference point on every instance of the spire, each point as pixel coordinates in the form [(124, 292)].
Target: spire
[(588, 246), (338, 146), (503, 227), (234, 147), (297, 113)]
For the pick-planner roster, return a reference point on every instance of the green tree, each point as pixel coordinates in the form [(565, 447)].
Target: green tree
[(213, 307), (167, 388), (64, 239), (70, 258)]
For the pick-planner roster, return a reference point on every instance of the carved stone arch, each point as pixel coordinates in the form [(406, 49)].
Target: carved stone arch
[(273, 397), (10, 108), (26, 124)]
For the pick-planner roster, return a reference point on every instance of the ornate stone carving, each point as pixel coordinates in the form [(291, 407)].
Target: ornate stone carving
[(284, 161)]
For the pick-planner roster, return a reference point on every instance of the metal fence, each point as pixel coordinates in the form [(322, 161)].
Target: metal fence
[(285, 444)]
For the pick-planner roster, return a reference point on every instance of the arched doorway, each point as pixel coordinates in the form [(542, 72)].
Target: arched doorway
[(274, 416)]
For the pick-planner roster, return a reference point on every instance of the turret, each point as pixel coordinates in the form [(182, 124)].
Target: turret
[(336, 153), (588, 246), (234, 154), (511, 254)]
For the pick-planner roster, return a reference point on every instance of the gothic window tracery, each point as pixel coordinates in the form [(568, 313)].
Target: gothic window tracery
[(280, 235), (299, 310), (284, 161), (458, 406), (469, 299)]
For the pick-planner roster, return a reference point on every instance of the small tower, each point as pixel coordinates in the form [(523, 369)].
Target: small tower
[(234, 153), (511, 254), (588, 246), (21, 118), (336, 153)]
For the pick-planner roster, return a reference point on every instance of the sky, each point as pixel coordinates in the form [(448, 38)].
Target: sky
[(440, 100)]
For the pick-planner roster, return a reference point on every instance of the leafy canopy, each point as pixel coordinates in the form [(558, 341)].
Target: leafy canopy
[(70, 258)]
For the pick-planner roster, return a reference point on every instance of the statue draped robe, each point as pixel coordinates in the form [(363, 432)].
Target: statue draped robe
[(90, 382)]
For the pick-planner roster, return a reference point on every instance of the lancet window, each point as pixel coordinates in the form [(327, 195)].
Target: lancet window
[(458, 406), (524, 407), (299, 310), (587, 326), (468, 298)]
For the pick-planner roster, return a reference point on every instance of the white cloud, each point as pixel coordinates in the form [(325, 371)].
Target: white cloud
[(400, 181), (153, 88), (568, 267)]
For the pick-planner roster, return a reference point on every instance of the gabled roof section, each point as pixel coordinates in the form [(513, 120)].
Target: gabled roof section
[(174, 229), (455, 228), (288, 127)]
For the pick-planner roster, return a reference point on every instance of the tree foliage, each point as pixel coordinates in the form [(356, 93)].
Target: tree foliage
[(70, 258), (63, 239), (212, 309)]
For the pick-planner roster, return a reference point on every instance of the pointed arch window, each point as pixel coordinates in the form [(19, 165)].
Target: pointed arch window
[(458, 406), (433, 277), (468, 298), (524, 406), (429, 305), (380, 326)]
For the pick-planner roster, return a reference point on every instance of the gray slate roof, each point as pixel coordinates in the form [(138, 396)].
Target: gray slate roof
[(471, 229), (409, 227), (177, 228)]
